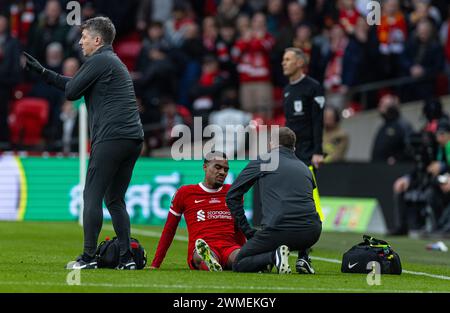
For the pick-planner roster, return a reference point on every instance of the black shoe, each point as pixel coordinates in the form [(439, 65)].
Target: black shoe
[(83, 262), (129, 265), (303, 266), (126, 262), (282, 260)]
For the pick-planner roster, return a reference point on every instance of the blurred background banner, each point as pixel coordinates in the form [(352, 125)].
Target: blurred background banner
[(47, 189), (352, 214)]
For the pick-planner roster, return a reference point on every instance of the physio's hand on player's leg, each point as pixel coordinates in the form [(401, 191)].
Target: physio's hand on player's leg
[(33, 65)]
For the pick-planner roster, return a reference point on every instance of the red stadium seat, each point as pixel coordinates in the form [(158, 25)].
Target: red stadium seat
[(128, 50), (185, 114), (21, 90), (27, 119)]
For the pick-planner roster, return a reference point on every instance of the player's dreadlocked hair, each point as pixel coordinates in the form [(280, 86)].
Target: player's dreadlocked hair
[(214, 154)]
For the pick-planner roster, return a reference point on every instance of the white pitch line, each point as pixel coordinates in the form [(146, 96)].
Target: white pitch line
[(326, 260), (403, 271), (426, 274), (184, 238), (205, 287)]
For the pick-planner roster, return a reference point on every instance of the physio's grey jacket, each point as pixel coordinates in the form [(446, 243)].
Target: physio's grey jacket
[(286, 194), (108, 90)]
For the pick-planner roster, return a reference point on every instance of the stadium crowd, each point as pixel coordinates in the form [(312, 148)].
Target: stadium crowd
[(191, 58)]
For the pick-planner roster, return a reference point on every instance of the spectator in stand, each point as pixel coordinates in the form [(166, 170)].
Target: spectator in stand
[(392, 137), (153, 11), (224, 46), (392, 34), (360, 59), (191, 55), (209, 34), (243, 24), (66, 128), (122, 14), (154, 38), (158, 134), (335, 140), (206, 91), (252, 6), (157, 78), (177, 25), (348, 15), (70, 67), (275, 17), (303, 41), (230, 115), (422, 10), (334, 87), (423, 59), (251, 53), (295, 15), (50, 26), (171, 116), (54, 58), (227, 12), (9, 76), (433, 113), (321, 14)]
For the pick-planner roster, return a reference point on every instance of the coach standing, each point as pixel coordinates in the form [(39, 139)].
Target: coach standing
[(115, 130)]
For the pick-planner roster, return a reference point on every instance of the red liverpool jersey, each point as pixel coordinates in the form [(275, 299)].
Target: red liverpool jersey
[(207, 217)]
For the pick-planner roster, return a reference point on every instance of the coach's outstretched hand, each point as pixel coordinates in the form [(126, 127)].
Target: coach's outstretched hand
[(33, 65)]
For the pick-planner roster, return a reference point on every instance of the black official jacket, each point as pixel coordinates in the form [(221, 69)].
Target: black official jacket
[(108, 90), (303, 104), (286, 194)]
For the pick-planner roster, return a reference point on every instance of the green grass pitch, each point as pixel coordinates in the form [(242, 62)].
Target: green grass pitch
[(33, 256)]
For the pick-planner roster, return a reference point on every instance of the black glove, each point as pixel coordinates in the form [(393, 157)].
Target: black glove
[(33, 65)]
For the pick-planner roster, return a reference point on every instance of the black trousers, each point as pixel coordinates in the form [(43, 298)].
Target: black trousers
[(108, 176), (258, 252)]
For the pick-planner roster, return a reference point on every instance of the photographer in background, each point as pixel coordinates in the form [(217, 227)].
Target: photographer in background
[(392, 137), (421, 197), (441, 169), (443, 225)]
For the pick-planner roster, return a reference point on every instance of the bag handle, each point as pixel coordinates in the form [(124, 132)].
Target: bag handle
[(376, 243)]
